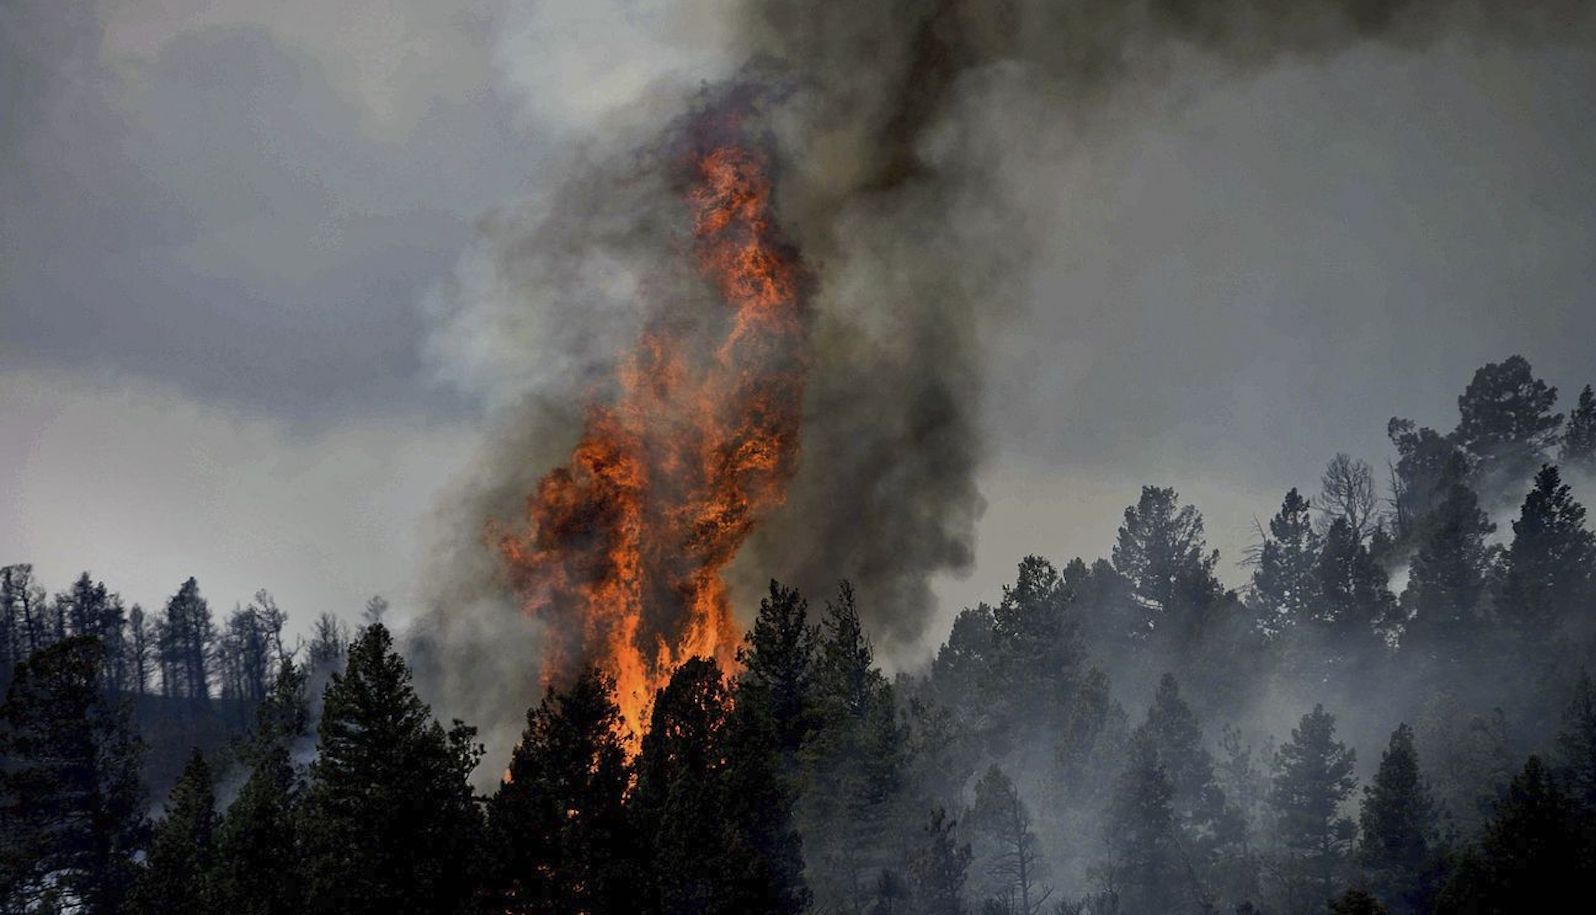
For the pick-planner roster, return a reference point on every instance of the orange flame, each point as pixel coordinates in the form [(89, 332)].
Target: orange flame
[(627, 542)]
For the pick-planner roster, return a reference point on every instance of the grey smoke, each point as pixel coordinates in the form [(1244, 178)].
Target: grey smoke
[(904, 136)]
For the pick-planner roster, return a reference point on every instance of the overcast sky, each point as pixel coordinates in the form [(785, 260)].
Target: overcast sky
[(222, 224)]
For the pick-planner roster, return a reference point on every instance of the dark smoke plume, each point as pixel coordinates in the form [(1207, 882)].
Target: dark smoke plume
[(901, 130)]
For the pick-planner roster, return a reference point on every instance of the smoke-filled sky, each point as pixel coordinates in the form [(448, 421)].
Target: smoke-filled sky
[(245, 331)]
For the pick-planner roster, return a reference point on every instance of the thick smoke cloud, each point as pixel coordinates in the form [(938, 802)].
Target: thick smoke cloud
[(904, 133)]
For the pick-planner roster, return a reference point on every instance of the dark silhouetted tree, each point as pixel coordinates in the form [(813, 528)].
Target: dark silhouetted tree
[(260, 868), (23, 604), (140, 647), (1549, 564), (1505, 419), (1448, 576), (1145, 867), (701, 783), (390, 823), (1579, 439), (853, 764), (1347, 493), (1398, 846), (1419, 474), (558, 833), (1531, 857), (185, 642), (1576, 746), (178, 877), (1285, 586), (778, 661), (1314, 777), (1161, 551), (70, 801)]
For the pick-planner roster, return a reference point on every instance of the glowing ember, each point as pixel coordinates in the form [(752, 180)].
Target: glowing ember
[(626, 543)]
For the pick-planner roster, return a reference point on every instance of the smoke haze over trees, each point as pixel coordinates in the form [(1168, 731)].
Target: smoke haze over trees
[(1125, 735), (1179, 523)]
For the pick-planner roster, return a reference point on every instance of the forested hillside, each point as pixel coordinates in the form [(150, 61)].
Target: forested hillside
[(1394, 714)]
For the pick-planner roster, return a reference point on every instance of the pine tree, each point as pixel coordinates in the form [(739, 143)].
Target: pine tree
[(1551, 560), (24, 603), (678, 796), (1531, 857), (853, 764), (1196, 799), (260, 870), (178, 876), (1284, 584), (1009, 852), (1576, 744), (1448, 576), (1579, 439), (390, 822), (185, 642), (557, 829), (778, 661), (70, 802), (1354, 597), (1419, 477), (1144, 862), (140, 648), (1398, 849), (763, 862), (1505, 418), (1160, 549), (938, 869), (1314, 778)]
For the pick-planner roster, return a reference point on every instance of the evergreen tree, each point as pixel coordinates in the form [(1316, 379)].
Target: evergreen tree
[(390, 823), (1009, 852), (23, 603), (1531, 857), (778, 661), (1579, 439), (557, 828), (1160, 549), (140, 648), (763, 862), (853, 764), (185, 642), (680, 797), (1448, 576), (1038, 680), (1314, 778), (1549, 565), (939, 868), (1196, 799), (1145, 867), (1419, 476), (70, 800), (1398, 849), (178, 875), (1354, 598), (1505, 419), (1284, 584), (963, 665), (260, 869), (1576, 745)]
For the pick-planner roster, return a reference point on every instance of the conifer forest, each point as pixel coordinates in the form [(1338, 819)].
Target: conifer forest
[(758, 457)]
